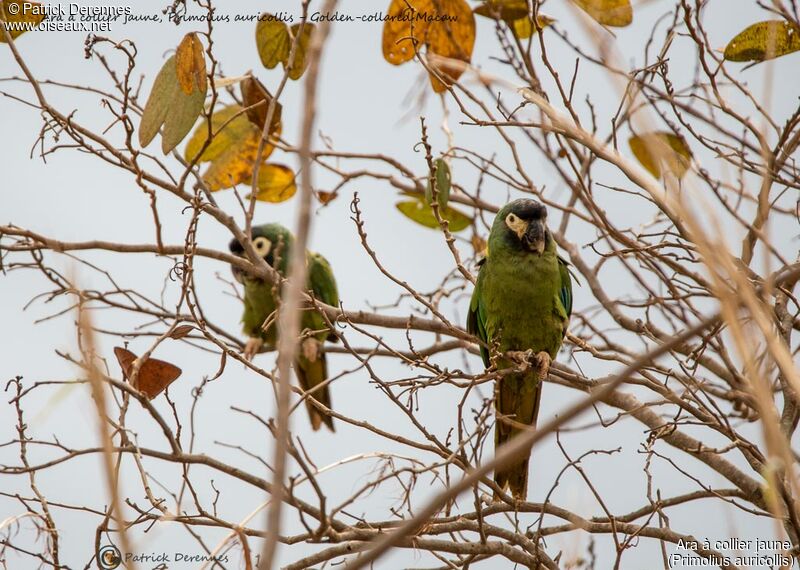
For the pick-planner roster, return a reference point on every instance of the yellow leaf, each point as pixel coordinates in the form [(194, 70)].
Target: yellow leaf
[(299, 63), (523, 28), (190, 61), (237, 128), (617, 13), (276, 183), (234, 166), (257, 100), (478, 244), (763, 41), (22, 15), (420, 212), (445, 27), (660, 150), (515, 14), (233, 149), (272, 40)]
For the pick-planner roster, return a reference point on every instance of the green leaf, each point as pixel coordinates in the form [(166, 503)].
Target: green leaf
[(272, 40), (616, 13), (169, 106), (421, 212), (763, 41), (659, 150), (441, 174), (299, 63)]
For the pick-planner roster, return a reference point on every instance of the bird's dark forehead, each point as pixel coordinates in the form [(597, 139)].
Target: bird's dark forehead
[(528, 209)]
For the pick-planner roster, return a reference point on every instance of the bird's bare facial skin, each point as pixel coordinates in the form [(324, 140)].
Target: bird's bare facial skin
[(517, 225), (535, 236), (262, 246)]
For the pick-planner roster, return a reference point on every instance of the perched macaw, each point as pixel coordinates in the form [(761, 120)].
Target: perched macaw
[(521, 305), (274, 242)]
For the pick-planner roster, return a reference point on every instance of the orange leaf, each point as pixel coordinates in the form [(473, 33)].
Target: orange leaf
[(154, 375), (326, 197), (191, 64), (445, 27)]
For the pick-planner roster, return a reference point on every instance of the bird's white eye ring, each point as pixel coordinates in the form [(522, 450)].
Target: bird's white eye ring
[(511, 219), (262, 246)]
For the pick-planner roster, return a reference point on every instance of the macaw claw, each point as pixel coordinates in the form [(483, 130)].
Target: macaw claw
[(311, 349), (251, 348), (543, 362), (523, 358)]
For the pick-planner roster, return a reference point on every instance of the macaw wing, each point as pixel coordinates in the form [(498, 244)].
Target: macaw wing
[(322, 282), (476, 321), (565, 292)]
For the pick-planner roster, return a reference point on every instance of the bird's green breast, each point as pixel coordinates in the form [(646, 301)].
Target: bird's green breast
[(520, 295), (259, 304)]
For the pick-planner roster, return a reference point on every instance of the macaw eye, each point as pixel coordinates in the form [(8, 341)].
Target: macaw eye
[(262, 246), (511, 219)]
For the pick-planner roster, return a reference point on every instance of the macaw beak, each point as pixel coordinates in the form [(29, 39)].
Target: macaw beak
[(236, 249), (534, 236)]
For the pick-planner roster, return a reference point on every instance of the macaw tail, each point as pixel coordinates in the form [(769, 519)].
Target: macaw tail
[(312, 370), (517, 405)]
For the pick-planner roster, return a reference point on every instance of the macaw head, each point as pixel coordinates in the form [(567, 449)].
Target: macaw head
[(524, 222), (271, 241)]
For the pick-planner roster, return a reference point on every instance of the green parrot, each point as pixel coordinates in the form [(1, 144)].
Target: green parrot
[(274, 242), (521, 305)]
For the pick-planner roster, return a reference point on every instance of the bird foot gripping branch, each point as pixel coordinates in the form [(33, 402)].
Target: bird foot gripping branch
[(522, 358), (525, 359), (542, 362), (251, 347)]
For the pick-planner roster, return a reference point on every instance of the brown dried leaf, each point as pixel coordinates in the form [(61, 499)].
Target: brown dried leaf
[(254, 93), (154, 375), (181, 331)]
